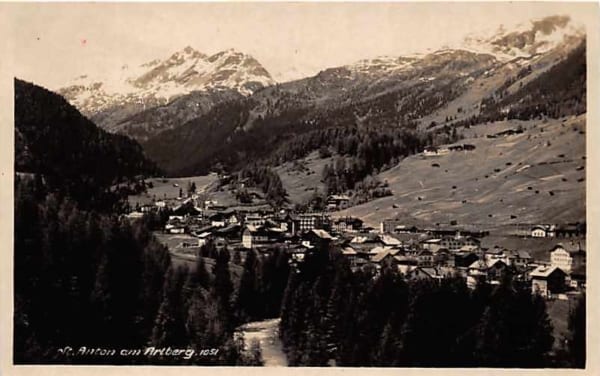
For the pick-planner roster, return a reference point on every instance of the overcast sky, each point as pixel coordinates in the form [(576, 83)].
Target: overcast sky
[(53, 43)]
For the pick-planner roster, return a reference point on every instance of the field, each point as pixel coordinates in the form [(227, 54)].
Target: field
[(178, 258), (168, 188), (302, 178), (534, 177)]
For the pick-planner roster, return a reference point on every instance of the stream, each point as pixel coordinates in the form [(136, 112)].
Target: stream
[(266, 332)]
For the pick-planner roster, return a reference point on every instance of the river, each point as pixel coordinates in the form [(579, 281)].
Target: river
[(267, 334)]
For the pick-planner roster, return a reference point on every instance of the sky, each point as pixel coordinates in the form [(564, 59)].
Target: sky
[(52, 43)]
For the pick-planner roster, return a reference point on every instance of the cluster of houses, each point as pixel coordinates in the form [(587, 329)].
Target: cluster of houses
[(428, 253), (557, 231), (434, 151)]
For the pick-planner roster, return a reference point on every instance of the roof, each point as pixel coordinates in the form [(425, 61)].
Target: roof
[(377, 250), (322, 234), (339, 197), (571, 247), (405, 269), (390, 240), (364, 239), (485, 264), (383, 254), (349, 251), (405, 259), (544, 271)]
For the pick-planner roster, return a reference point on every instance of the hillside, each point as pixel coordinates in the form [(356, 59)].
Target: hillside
[(537, 176), (55, 141)]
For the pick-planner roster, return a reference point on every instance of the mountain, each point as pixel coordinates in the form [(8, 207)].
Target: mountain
[(527, 39), (413, 101), (69, 151), (432, 93), (110, 101)]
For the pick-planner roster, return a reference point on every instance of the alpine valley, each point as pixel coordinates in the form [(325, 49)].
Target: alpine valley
[(194, 114)]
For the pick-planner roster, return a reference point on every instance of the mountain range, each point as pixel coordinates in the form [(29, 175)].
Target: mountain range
[(193, 113)]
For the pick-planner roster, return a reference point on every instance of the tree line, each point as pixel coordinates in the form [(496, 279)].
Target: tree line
[(332, 316)]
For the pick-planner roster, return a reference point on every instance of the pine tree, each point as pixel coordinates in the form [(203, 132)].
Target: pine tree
[(576, 345), (169, 327), (223, 288), (246, 303)]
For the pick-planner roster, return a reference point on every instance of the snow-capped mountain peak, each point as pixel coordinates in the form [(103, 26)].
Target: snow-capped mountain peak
[(159, 81), (526, 39)]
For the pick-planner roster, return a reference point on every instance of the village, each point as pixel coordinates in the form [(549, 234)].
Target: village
[(555, 270)]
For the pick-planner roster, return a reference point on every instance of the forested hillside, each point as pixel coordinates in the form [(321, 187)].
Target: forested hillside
[(88, 277), (65, 149)]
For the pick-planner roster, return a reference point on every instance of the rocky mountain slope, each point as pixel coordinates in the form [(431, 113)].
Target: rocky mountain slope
[(114, 101)]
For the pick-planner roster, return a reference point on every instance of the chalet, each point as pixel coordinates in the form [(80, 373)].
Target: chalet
[(519, 259), (432, 245), (218, 219), (459, 242), (491, 270), (135, 215), (229, 232), (430, 151), (146, 208), (254, 220), (258, 236), (396, 226), (567, 256), (297, 252), (385, 257), (405, 260), (403, 229), (578, 277), (569, 231), (204, 238), (425, 258), (187, 208), (338, 202), (310, 221), (538, 232), (175, 229), (232, 219), (412, 251), (497, 254), (347, 224), (543, 231), (464, 259), (390, 241), (320, 239), (443, 257), (461, 147), (547, 280), (418, 273), (290, 223), (351, 254)]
